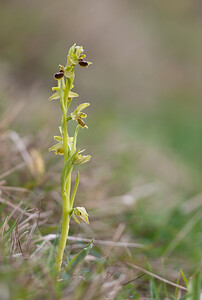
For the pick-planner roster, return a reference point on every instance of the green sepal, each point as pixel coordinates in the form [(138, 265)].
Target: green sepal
[(55, 96), (72, 50), (55, 88), (58, 148), (79, 51), (58, 138), (72, 94), (81, 107)]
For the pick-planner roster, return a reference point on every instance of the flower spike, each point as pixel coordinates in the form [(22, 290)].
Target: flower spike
[(66, 145)]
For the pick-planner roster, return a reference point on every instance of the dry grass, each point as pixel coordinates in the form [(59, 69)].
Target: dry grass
[(30, 212)]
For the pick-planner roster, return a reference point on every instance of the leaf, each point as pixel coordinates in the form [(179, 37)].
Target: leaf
[(184, 278), (75, 139), (195, 287), (8, 234), (79, 257), (74, 190)]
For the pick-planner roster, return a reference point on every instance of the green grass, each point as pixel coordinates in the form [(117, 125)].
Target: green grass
[(170, 233)]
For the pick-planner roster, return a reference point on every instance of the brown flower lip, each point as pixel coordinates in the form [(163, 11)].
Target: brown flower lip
[(83, 63), (59, 75), (81, 122)]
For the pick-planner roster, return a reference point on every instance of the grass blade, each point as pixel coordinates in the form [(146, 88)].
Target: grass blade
[(8, 234), (195, 287), (184, 278)]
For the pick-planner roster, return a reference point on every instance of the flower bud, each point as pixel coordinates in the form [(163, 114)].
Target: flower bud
[(80, 214)]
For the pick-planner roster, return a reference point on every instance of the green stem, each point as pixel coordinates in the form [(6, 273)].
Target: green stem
[(65, 221), (64, 234), (66, 184), (65, 137)]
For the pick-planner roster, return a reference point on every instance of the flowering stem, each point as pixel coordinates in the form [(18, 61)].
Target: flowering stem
[(64, 234), (67, 145), (66, 186)]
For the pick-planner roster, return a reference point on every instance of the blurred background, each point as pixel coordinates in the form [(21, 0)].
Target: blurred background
[(145, 124), (145, 82)]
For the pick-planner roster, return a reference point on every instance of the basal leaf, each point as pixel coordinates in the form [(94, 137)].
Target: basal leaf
[(79, 257)]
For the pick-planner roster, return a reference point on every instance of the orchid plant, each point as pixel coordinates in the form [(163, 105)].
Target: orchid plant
[(67, 145)]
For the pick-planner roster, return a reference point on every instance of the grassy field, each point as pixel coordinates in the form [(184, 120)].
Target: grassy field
[(142, 188)]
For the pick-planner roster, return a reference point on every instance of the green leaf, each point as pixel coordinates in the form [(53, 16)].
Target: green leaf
[(195, 287), (8, 234), (79, 257), (75, 139), (74, 190), (184, 278)]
